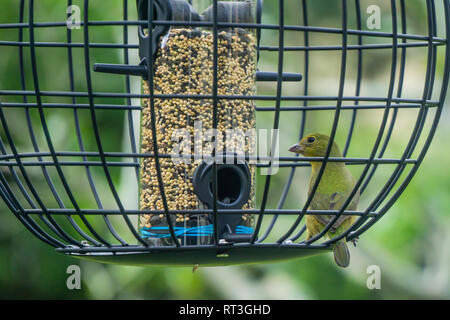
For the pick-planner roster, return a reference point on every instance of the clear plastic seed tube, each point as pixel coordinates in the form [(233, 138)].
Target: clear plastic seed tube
[(184, 66)]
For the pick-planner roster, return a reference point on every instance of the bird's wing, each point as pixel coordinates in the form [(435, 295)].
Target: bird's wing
[(334, 202)]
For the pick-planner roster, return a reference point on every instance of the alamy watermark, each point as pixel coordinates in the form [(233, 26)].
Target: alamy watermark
[(374, 280), (374, 19), (74, 279), (196, 144), (74, 17)]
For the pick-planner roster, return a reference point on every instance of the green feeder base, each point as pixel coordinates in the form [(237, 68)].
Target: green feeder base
[(204, 256)]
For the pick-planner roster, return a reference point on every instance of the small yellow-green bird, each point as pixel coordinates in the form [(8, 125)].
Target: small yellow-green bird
[(334, 188)]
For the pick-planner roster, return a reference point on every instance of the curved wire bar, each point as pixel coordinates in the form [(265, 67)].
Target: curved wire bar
[(126, 57), (288, 184), (151, 98), (49, 140), (47, 220), (400, 167), (380, 132), (126, 107), (275, 122), (28, 221), (358, 78), (428, 87), (224, 97), (10, 201), (35, 144), (215, 120), (436, 42), (431, 78), (201, 211), (334, 127), (368, 33), (13, 203), (357, 93), (302, 160), (423, 118), (96, 131), (80, 138), (417, 131), (399, 94)]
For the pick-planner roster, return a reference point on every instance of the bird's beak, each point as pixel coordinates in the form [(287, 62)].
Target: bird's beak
[(296, 148)]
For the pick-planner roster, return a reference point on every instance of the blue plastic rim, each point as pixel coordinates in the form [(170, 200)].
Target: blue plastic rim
[(208, 230)]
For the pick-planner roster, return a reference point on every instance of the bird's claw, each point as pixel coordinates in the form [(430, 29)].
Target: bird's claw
[(355, 241)]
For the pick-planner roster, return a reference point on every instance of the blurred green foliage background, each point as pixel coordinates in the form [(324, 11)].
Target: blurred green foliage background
[(411, 243)]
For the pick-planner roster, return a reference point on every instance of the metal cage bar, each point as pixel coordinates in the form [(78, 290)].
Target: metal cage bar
[(96, 131), (153, 120), (50, 144), (276, 121), (304, 110), (380, 132), (334, 127), (421, 156)]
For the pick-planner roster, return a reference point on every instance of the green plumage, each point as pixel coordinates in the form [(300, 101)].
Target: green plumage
[(334, 188)]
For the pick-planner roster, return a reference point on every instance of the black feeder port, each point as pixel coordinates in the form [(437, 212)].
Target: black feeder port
[(196, 59), (233, 192)]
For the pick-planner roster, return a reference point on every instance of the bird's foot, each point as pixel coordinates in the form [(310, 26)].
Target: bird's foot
[(355, 241)]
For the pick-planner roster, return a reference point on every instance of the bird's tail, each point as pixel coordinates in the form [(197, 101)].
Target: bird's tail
[(341, 254)]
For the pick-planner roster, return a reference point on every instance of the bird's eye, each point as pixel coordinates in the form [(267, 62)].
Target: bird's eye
[(311, 139)]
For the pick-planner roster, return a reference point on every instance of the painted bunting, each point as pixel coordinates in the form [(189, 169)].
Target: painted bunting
[(334, 188)]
